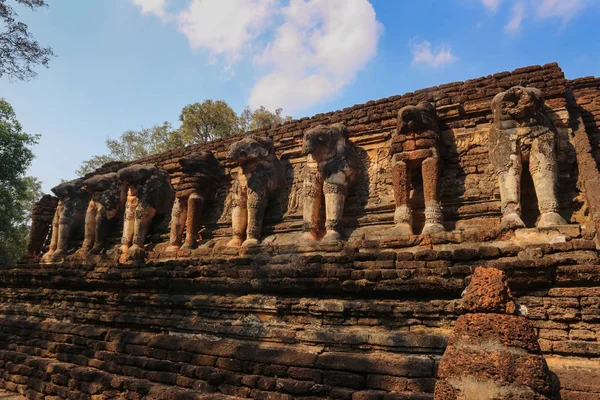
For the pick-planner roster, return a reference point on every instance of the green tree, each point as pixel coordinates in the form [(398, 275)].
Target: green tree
[(200, 123), (207, 121), (260, 118), (132, 145), (19, 51), (18, 192)]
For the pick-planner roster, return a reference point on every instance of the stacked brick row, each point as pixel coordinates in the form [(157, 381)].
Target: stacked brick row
[(242, 369), (358, 319)]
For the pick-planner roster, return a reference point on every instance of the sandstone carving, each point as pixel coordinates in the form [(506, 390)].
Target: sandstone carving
[(41, 223), (260, 179), (195, 186), (415, 144), (106, 205), (332, 166), (522, 132), (149, 192), (493, 353), (70, 213)]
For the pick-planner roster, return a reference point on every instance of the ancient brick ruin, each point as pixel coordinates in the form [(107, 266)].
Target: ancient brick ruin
[(325, 257)]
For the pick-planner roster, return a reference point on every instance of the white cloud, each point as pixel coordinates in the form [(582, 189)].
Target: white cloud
[(225, 27), (422, 54), (564, 9), (156, 7), (317, 51), (309, 50), (517, 16), (491, 5)]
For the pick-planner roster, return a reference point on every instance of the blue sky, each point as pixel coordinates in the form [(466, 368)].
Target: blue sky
[(128, 64)]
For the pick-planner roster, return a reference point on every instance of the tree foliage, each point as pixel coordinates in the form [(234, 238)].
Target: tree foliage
[(260, 118), (132, 145), (200, 123), (19, 51), (207, 121), (18, 192)]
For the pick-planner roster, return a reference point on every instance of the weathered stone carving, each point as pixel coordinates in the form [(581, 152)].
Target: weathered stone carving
[(41, 223), (106, 204), (70, 213), (493, 352), (522, 132), (260, 179), (332, 166), (149, 192), (415, 144), (195, 186)]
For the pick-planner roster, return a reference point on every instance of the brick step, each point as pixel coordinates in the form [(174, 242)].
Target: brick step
[(37, 378), (239, 368)]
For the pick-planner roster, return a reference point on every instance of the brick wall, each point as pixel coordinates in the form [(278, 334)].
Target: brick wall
[(363, 319)]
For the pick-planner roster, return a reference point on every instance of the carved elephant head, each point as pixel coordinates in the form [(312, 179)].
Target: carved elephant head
[(202, 162), (69, 189), (324, 139), (251, 148), (517, 103), (417, 119), (136, 174), (100, 183)]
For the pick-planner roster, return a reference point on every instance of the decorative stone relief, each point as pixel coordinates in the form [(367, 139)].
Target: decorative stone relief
[(332, 166), (522, 132), (149, 192), (106, 205), (41, 223), (70, 213), (260, 179), (195, 186), (415, 144)]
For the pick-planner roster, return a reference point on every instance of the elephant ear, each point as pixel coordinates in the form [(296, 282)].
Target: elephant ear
[(266, 144), (339, 135)]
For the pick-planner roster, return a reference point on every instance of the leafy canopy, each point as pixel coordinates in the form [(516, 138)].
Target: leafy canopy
[(19, 51), (200, 123), (18, 192)]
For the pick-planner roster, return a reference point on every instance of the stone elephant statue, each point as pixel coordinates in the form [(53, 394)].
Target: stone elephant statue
[(415, 145), (149, 192), (70, 213), (196, 185), (41, 224), (332, 166), (260, 179), (522, 132), (106, 205)]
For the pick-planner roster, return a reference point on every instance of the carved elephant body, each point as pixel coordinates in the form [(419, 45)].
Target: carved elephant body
[(149, 192), (260, 179), (332, 167), (106, 205), (41, 223), (522, 132), (415, 145), (195, 186), (70, 213)]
